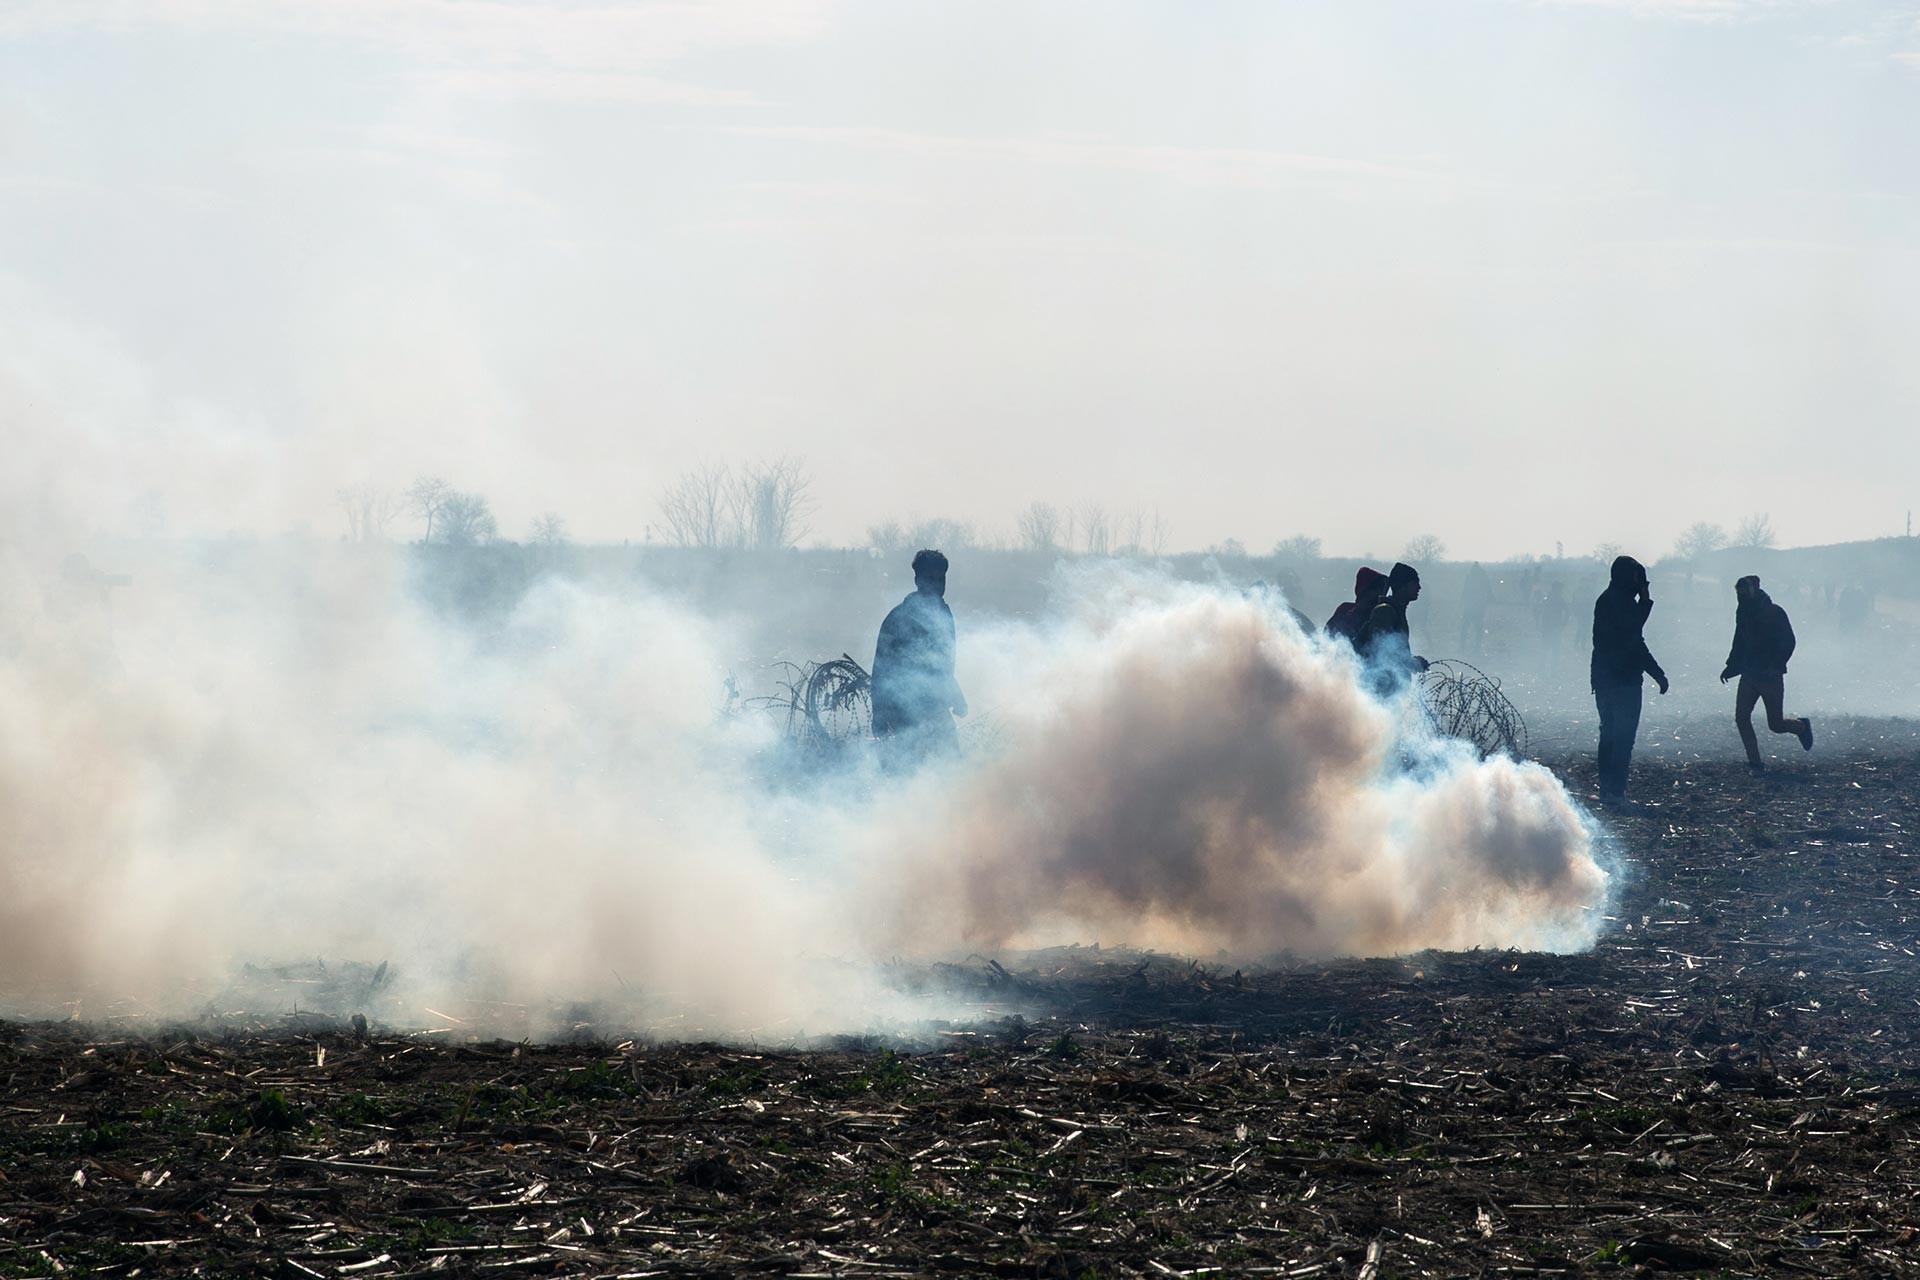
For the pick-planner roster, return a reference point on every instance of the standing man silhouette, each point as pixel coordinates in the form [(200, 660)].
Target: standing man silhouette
[(915, 695), (1369, 589), (1386, 640), (1620, 658)]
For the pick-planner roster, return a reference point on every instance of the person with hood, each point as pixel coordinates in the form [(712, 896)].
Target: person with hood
[(1385, 639), (1762, 643), (915, 695), (1369, 588), (1620, 659)]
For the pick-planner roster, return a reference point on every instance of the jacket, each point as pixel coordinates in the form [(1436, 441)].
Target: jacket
[(913, 680), (1620, 653), (1762, 638)]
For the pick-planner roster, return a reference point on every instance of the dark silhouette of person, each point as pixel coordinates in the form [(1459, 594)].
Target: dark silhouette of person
[(1369, 589), (1475, 599), (915, 695), (1762, 643), (1620, 659), (1386, 639)]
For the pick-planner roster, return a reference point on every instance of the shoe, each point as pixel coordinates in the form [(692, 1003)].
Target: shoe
[(1806, 734), (1755, 768)]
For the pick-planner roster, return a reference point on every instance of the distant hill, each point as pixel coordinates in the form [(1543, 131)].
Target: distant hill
[(1890, 564)]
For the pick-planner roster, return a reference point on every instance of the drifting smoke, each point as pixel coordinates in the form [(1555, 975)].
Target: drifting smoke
[(283, 757), (1185, 769), (280, 753)]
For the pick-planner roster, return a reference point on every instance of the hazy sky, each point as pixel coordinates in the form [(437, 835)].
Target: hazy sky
[(1511, 273)]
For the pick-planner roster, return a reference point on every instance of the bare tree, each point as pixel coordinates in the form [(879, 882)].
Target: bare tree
[(888, 535), (1039, 527), (1301, 548), (1608, 552), (942, 534), (1096, 530), (466, 520), (1232, 547), (771, 501), (1698, 540), (1140, 532), (1423, 550), (697, 508), (369, 510), (549, 530), (1753, 533), (428, 497), (1156, 534)]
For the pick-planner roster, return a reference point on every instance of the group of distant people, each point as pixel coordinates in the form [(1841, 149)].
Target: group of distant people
[(1763, 642), (1375, 623), (916, 695)]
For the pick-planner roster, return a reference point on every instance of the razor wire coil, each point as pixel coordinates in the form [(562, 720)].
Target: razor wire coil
[(825, 704), (1461, 701)]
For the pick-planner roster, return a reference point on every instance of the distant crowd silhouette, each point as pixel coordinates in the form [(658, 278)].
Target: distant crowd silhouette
[(916, 694)]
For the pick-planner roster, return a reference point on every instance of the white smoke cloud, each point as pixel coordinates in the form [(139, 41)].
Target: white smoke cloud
[(282, 756), (270, 751), (1183, 768)]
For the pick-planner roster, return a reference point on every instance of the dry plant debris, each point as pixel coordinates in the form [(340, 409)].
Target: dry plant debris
[(1726, 1085)]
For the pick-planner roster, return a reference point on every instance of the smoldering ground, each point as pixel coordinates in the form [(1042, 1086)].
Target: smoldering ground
[(279, 752)]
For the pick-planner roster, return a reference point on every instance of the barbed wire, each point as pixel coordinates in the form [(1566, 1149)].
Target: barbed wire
[(825, 704), (1461, 701), (829, 705)]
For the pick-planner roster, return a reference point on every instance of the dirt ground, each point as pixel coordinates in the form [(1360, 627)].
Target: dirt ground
[(1729, 1083)]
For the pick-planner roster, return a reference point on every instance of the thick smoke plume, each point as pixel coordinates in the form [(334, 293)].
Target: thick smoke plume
[(1185, 769), (278, 754), (265, 751)]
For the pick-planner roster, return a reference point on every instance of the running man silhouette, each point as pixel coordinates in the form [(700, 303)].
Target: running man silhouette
[(1762, 643)]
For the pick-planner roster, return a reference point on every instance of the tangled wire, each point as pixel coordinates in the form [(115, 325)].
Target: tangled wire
[(827, 704), (1464, 702)]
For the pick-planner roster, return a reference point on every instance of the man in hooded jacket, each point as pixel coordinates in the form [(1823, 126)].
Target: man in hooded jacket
[(1386, 639), (1762, 643), (1620, 659), (1369, 589)]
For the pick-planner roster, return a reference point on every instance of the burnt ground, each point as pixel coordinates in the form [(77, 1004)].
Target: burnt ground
[(1729, 1083)]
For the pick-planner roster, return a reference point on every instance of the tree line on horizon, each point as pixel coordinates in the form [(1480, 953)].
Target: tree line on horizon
[(767, 505)]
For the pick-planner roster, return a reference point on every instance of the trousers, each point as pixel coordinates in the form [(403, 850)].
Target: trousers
[(1619, 706), (1771, 690)]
